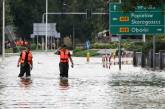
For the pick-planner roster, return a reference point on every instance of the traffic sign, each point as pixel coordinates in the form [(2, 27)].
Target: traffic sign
[(144, 20)]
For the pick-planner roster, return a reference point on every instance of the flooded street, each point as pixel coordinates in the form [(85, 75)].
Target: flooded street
[(90, 86)]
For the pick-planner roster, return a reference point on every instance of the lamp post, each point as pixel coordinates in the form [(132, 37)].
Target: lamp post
[(3, 32), (46, 40), (119, 48)]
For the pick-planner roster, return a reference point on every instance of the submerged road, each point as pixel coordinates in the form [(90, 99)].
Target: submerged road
[(90, 86)]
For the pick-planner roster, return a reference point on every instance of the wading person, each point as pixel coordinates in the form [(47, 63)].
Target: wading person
[(25, 62), (65, 56)]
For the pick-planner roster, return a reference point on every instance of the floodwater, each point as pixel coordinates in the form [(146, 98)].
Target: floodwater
[(90, 86)]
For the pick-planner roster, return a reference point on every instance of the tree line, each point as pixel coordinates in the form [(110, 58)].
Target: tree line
[(23, 13)]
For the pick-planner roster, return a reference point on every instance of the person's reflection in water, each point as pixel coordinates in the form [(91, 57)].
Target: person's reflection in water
[(64, 84), (25, 82)]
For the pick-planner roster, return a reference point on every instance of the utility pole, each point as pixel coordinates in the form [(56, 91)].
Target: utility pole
[(144, 38), (3, 32)]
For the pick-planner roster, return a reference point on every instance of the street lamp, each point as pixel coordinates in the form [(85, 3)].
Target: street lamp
[(46, 25), (3, 32)]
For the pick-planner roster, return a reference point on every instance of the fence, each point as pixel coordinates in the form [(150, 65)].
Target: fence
[(146, 60)]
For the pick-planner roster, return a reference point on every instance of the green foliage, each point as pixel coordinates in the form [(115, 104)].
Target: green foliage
[(127, 45), (111, 45), (27, 12), (77, 50), (83, 53), (17, 49), (9, 50), (33, 46), (129, 5), (23, 13), (8, 16), (160, 45)]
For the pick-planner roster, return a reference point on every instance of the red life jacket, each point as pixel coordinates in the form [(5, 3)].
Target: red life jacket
[(23, 56), (64, 56)]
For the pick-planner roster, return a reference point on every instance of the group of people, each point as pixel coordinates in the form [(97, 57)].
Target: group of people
[(21, 43), (25, 62)]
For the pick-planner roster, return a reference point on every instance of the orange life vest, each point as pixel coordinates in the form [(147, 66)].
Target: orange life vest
[(64, 56), (23, 56)]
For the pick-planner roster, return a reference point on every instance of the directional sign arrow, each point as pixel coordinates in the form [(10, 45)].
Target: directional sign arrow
[(114, 19), (159, 29)]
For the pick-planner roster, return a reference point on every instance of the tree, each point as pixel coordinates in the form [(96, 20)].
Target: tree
[(25, 13), (8, 18), (83, 27)]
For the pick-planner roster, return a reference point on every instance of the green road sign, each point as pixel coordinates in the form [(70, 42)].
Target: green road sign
[(144, 20)]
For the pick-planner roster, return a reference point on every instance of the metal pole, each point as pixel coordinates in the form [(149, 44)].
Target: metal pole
[(42, 43), (43, 18), (73, 38), (154, 46), (57, 42), (3, 32), (119, 48), (119, 52), (51, 42), (46, 25), (37, 42), (54, 43), (144, 38), (71, 13)]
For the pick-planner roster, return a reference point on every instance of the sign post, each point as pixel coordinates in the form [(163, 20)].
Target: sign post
[(119, 52)]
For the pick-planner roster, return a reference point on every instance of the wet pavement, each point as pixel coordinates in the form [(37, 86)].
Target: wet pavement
[(90, 86)]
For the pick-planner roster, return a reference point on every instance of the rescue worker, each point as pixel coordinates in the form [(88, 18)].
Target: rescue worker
[(65, 56), (25, 62)]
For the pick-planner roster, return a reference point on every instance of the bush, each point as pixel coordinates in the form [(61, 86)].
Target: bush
[(83, 53), (104, 46), (9, 50), (16, 49), (33, 46), (76, 50)]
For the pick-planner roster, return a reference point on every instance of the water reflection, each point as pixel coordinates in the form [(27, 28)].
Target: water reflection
[(25, 83), (63, 83), (137, 83), (89, 87)]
